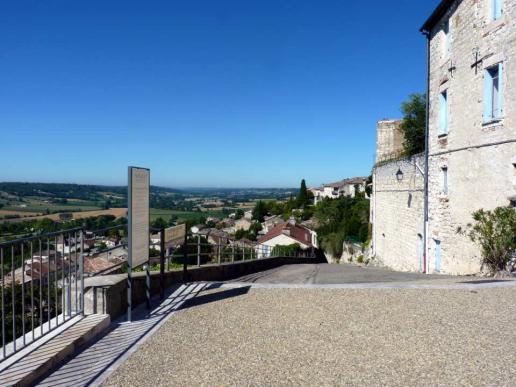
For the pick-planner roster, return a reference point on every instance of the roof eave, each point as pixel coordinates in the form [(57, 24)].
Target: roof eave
[(436, 16)]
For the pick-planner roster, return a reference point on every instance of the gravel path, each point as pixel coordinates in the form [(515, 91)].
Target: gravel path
[(332, 337)]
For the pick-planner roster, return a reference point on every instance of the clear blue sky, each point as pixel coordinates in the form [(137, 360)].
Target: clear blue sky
[(204, 93)]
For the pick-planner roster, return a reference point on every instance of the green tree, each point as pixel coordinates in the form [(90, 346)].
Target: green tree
[(159, 223), (302, 198), (239, 214), (414, 122), (259, 211)]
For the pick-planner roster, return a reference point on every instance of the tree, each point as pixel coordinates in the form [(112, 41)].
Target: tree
[(239, 214), (259, 211), (302, 198), (414, 122), (159, 223)]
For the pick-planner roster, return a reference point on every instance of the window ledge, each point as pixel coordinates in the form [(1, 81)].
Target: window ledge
[(492, 122), (494, 25)]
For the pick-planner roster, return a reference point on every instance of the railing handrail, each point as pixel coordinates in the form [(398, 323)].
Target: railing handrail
[(39, 236)]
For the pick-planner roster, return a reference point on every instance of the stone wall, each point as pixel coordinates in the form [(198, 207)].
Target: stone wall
[(397, 213), (108, 294), (478, 156), (389, 139)]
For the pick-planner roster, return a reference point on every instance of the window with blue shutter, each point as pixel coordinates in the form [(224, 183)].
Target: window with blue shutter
[(500, 91), (493, 93), (438, 255), (443, 113), (497, 9)]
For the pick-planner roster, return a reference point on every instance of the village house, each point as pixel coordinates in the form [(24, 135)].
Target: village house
[(242, 224), (270, 222), (286, 234), (472, 123), (346, 187), (471, 143)]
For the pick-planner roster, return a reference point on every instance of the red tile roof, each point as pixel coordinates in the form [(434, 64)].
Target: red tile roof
[(295, 231)]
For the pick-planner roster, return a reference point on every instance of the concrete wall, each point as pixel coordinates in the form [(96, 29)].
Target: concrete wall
[(397, 213), (389, 139), (108, 294), (480, 172)]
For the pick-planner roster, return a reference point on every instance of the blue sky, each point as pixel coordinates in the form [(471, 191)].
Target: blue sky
[(225, 93)]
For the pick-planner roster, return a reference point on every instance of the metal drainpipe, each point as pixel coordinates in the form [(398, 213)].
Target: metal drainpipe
[(427, 151)]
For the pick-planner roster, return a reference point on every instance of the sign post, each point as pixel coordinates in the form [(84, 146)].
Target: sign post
[(138, 224)]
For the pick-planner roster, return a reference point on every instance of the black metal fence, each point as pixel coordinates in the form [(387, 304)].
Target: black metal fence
[(42, 276), (42, 282)]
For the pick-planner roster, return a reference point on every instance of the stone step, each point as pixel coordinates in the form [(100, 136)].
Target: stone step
[(38, 358)]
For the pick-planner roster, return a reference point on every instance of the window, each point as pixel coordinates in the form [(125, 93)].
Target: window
[(444, 172), (438, 255), (493, 96), (497, 9), (443, 113), (447, 37)]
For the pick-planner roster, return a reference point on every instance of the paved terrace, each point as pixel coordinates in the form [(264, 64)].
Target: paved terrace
[(314, 325)]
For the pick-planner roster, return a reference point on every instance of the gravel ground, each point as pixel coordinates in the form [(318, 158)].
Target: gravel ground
[(332, 337)]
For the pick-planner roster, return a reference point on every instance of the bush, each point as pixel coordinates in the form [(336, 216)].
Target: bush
[(495, 233), (360, 259), (333, 244), (286, 250)]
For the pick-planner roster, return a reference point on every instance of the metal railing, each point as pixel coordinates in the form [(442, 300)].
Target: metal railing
[(204, 253), (42, 286), (42, 276)]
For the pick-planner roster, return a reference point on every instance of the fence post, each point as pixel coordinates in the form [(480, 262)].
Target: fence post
[(81, 270), (198, 251), (162, 264), (185, 258), (233, 252), (147, 285), (218, 253)]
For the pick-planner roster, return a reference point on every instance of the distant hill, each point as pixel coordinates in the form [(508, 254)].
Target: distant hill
[(71, 191)]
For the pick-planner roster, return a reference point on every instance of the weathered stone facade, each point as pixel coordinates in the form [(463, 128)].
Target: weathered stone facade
[(397, 214), (389, 139), (476, 156)]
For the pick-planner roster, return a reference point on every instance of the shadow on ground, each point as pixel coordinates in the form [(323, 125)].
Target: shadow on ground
[(94, 362)]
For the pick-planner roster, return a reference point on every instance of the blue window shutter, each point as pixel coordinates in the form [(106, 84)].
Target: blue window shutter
[(497, 9), (438, 256), (443, 114), (500, 90), (488, 96)]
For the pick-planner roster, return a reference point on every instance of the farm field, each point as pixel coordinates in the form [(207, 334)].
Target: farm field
[(37, 205), (184, 215), (117, 212)]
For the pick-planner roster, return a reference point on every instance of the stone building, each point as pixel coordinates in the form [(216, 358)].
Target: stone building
[(397, 203), (472, 122), (471, 142), (389, 139)]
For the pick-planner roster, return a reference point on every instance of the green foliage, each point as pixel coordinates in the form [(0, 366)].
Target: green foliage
[(342, 219), (286, 250), (159, 223), (41, 308), (259, 211), (239, 214), (360, 259), (302, 198), (369, 187), (333, 243), (206, 249), (495, 233), (414, 122), (250, 234)]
